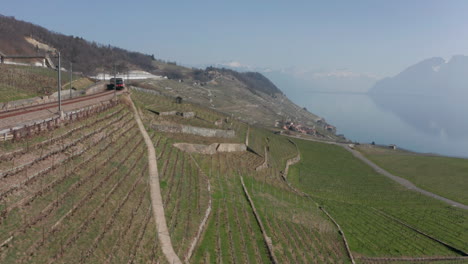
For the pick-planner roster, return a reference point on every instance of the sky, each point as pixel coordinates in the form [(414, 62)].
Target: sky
[(366, 36)]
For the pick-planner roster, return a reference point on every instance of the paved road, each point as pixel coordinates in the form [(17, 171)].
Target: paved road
[(402, 181), (156, 198), (398, 179)]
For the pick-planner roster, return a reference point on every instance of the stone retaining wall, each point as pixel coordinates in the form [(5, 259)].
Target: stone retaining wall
[(264, 165), (199, 131), (211, 149), (231, 147), (48, 124), (176, 113)]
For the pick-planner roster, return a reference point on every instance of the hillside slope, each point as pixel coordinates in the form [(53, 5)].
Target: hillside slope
[(433, 76), (249, 95), (243, 95), (87, 57)]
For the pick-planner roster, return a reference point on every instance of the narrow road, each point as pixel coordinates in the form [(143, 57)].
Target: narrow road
[(156, 198), (398, 179)]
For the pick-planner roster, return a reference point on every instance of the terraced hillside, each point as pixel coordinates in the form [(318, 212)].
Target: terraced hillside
[(81, 193), (381, 219), (299, 231), (78, 195), (225, 93)]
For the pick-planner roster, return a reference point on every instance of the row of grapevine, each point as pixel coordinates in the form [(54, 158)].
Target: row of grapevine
[(184, 192), (93, 206)]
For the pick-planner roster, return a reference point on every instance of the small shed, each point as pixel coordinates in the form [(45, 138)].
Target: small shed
[(392, 146)]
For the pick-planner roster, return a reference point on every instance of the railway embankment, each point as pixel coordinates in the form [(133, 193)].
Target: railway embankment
[(38, 126), (38, 100)]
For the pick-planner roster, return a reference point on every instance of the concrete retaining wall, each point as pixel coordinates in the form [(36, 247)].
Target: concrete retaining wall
[(27, 102), (197, 148), (231, 147), (211, 149), (96, 88), (175, 113), (65, 94), (188, 114), (169, 113), (264, 165), (199, 131)]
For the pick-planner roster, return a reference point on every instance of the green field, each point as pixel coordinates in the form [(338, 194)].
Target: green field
[(365, 204), (447, 177)]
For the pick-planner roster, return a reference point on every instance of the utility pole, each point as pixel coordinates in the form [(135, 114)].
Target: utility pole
[(71, 78), (115, 82), (59, 76)]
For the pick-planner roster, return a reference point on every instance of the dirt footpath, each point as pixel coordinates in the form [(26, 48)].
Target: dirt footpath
[(156, 198)]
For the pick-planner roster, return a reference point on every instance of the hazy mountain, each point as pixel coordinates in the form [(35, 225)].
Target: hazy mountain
[(297, 80), (432, 76), (430, 96)]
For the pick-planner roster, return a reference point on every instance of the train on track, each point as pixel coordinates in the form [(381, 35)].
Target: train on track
[(116, 83)]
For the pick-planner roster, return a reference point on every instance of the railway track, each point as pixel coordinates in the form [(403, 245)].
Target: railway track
[(33, 108)]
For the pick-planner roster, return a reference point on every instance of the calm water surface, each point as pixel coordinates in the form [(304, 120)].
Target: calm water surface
[(423, 124)]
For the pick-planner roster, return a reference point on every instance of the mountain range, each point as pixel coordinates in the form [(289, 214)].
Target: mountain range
[(434, 76)]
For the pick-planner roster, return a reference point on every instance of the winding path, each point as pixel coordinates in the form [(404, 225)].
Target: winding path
[(402, 181), (397, 179), (156, 198)]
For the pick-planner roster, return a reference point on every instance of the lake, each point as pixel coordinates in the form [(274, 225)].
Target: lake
[(428, 124)]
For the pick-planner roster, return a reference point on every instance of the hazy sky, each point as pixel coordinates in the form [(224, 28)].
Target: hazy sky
[(379, 37)]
